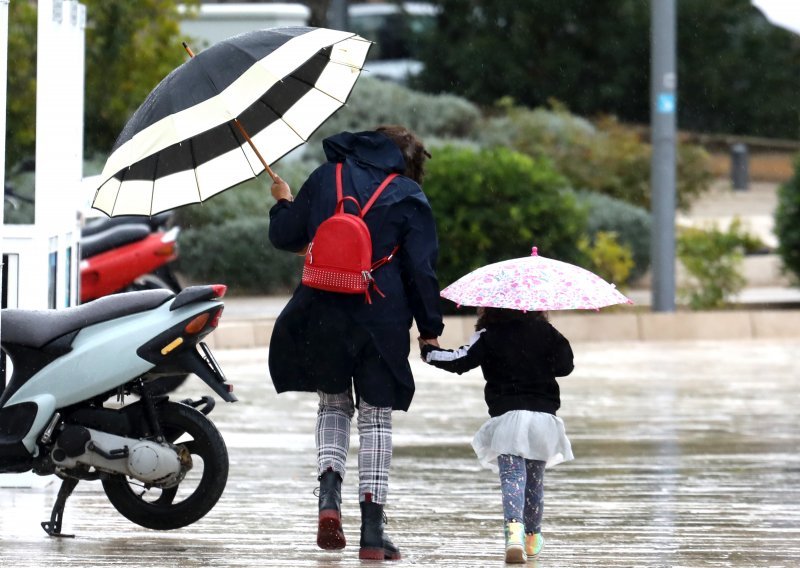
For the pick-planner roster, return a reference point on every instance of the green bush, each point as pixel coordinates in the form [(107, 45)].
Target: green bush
[(225, 238), (374, 102), (249, 198), (238, 253), (491, 205), (713, 258), (632, 226), (609, 259), (607, 157), (787, 222)]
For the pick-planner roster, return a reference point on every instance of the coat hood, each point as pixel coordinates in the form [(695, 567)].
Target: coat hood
[(370, 148)]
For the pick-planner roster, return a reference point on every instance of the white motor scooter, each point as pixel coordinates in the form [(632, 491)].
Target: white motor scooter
[(64, 410)]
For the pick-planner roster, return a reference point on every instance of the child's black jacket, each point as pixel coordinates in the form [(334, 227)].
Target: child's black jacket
[(520, 360)]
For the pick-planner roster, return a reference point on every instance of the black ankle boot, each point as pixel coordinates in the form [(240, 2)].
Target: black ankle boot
[(374, 544), (329, 529)]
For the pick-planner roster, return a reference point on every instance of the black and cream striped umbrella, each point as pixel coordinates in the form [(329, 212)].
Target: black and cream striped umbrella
[(224, 115)]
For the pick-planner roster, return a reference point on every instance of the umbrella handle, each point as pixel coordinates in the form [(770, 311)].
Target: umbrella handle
[(242, 130)]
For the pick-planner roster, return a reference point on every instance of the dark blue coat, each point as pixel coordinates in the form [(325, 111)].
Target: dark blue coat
[(320, 337)]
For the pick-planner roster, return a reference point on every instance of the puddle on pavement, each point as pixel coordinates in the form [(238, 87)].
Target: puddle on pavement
[(686, 455)]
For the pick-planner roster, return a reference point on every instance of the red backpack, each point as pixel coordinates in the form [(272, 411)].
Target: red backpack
[(339, 257)]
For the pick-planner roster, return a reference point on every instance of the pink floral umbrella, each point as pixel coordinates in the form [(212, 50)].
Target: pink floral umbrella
[(533, 283)]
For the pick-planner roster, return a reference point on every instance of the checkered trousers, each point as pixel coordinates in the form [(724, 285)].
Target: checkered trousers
[(375, 442)]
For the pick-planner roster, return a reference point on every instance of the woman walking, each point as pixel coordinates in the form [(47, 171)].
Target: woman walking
[(354, 353)]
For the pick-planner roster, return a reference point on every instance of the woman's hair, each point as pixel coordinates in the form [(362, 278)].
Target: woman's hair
[(488, 316), (414, 152)]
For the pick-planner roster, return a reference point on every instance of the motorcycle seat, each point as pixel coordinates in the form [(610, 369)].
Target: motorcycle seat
[(112, 238), (37, 328), (100, 224)]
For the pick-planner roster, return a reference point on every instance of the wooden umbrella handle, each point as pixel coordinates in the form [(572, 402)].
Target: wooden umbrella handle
[(253, 146), (243, 131)]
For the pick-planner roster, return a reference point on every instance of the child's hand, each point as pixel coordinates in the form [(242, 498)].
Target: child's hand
[(423, 342)]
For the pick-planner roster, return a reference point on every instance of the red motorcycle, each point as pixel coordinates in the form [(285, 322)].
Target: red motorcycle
[(124, 254)]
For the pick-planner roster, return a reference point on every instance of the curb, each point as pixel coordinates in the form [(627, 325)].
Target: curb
[(583, 327)]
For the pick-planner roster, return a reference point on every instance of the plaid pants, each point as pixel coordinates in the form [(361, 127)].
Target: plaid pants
[(375, 438)]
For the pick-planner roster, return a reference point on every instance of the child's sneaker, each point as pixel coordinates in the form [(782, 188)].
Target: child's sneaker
[(515, 543), (533, 544)]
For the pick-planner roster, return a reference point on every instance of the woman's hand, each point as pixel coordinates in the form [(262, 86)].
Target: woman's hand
[(280, 189), (423, 342)]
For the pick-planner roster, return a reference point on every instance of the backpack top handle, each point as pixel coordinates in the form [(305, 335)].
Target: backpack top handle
[(339, 192)]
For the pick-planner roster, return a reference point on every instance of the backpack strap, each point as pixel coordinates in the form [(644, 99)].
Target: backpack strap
[(339, 191), (377, 193), (339, 166)]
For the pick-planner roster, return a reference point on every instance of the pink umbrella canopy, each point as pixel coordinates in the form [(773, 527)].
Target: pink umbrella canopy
[(533, 283)]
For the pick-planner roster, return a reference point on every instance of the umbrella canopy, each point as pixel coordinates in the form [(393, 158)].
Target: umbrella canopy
[(783, 13), (533, 283), (182, 145)]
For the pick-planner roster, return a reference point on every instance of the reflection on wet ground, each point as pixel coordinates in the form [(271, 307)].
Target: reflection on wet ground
[(687, 454)]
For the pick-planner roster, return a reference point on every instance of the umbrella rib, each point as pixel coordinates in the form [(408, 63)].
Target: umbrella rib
[(359, 69), (194, 169), (116, 195), (241, 147), (153, 185), (280, 117), (314, 86)]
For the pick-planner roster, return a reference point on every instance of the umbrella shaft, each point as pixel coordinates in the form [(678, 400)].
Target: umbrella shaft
[(253, 146), (241, 128)]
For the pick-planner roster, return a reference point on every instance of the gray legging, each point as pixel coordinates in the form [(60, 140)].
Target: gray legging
[(375, 439), (522, 483)]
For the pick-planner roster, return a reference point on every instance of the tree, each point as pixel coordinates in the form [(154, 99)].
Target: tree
[(21, 91), (574, 51), (736, 73), (130, 47)]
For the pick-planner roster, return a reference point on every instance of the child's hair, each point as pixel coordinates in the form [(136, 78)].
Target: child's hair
[(487, 316)]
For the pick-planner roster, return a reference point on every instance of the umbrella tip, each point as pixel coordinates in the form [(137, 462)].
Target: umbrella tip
[(535, 251)]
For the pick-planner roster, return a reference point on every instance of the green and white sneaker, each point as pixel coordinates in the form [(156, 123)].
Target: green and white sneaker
[(515, 543), (533, 544)]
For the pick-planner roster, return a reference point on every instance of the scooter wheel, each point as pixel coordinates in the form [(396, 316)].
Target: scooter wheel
[(179, 506)]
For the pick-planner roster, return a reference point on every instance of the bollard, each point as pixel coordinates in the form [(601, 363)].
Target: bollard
[(739, 167)]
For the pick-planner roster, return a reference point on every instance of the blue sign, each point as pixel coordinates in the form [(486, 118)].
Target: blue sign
[(665, 103)]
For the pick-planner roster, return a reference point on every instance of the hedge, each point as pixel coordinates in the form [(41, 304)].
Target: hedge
[(491, 205)]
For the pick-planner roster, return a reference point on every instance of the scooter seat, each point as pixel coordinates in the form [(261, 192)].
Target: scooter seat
[(112, 238), (37, 328)]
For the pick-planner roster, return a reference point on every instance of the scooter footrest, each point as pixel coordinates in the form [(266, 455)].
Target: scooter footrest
[(207, 402)]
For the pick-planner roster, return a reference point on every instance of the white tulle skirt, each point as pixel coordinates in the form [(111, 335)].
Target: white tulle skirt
[(532, 435)]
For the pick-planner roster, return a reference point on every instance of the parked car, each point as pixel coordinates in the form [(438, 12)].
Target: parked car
[(396, 30)]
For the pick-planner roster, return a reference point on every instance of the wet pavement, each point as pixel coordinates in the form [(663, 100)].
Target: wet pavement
[(687, 454)]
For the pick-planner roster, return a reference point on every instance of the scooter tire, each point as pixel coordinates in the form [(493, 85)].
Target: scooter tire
[(172, 508)]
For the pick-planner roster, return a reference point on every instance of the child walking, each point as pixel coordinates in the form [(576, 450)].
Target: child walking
[(520, 354)]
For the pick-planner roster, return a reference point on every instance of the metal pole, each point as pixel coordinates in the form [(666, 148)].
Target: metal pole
[(662, 174)]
